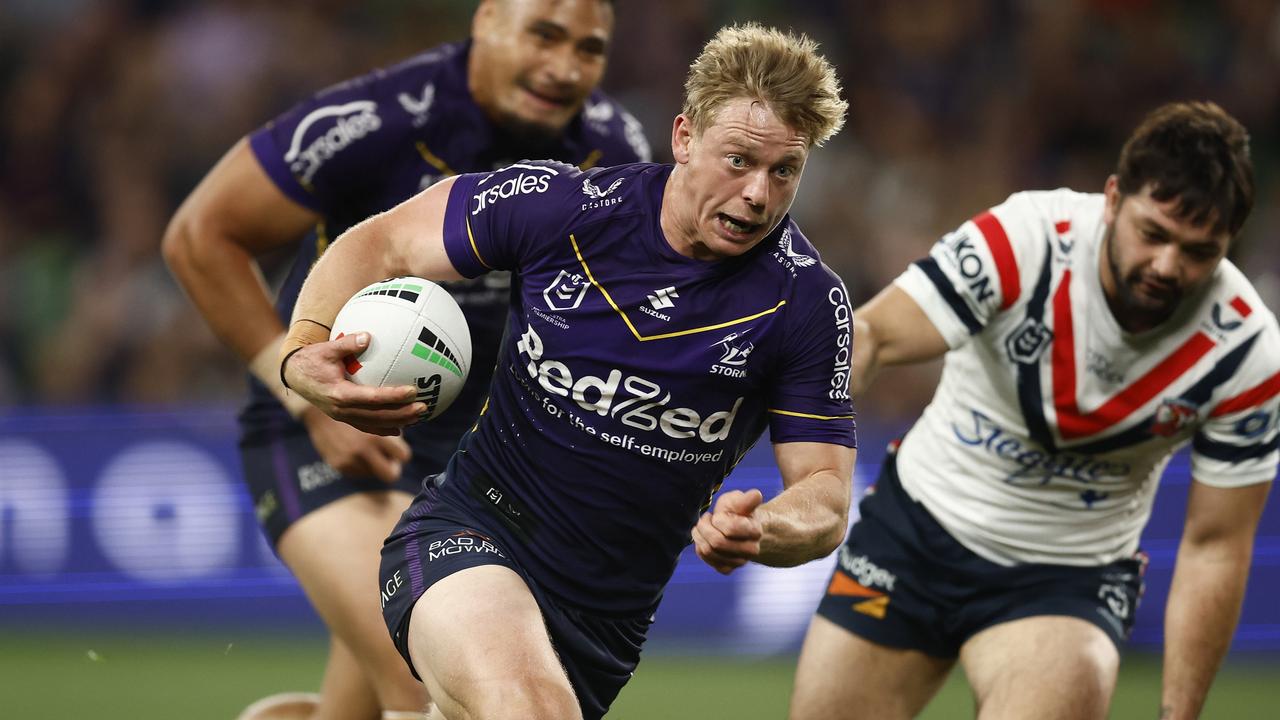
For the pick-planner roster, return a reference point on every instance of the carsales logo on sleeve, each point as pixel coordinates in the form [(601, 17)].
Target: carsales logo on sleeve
[(533, 180), (844, 344)]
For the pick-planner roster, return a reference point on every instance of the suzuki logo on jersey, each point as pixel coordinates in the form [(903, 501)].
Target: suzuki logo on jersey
[(566, 291), (1173, 415), (1028, 341), (419, 108), (632, 400), (661, 299), (354, 120), (526, 183), (735, 355)]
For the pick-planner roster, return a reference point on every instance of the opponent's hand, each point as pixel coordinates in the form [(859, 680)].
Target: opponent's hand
[(729, 536), (355, 453), (316, 373)]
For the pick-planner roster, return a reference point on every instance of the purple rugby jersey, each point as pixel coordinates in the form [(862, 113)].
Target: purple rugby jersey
[(633, 378), (365, 145)]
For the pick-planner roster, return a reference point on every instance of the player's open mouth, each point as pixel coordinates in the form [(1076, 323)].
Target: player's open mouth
[(557, 101), (736, 226)]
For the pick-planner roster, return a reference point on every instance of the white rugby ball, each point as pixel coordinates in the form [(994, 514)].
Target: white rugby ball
[(417, 336)]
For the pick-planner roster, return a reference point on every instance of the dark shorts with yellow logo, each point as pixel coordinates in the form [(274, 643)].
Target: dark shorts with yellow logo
[(431, 543), (287, 479), (902, 580)]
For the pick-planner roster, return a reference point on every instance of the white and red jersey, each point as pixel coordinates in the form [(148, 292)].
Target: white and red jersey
[(1051, 425)]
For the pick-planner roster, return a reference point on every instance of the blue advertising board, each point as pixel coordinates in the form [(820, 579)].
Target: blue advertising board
[(122, 518)]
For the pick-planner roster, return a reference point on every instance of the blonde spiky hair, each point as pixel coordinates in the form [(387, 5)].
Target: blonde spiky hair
[(781, 70)]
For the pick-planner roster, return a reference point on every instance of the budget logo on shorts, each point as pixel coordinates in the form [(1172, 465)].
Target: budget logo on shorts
[(857, 577), (566, 291), (1028, 341)]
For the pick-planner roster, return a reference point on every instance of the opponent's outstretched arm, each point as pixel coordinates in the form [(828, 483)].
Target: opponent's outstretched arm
[(405, 240), (1208, 588), (890, 329)]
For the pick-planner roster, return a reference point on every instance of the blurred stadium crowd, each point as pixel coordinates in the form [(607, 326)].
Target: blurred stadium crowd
[(113, 110)]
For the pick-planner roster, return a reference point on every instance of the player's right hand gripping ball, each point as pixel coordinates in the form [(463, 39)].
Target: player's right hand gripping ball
[(417, 336)]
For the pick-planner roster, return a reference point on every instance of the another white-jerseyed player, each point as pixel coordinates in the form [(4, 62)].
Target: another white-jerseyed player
[(1087, 337)]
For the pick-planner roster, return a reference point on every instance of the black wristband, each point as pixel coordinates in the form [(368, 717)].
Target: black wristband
[(284, 361), (314, 322)]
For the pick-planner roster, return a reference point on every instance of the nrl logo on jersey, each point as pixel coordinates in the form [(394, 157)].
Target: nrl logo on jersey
[(566, 291), (600, 198), (736, 350), (1027, 342), (419, 107), (352, 122)]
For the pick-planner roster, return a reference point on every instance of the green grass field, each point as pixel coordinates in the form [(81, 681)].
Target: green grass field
[(197, 677)]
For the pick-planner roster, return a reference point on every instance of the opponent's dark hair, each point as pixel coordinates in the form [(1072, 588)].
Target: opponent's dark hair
[(1195, 152)]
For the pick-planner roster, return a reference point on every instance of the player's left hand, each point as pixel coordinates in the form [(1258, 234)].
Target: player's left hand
[(729, 536), (316, 373)]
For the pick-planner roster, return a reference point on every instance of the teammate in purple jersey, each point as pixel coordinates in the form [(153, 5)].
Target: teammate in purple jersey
[(325, 493), (663, 317)]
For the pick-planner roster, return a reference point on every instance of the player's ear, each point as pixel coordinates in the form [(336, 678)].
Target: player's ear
[(681, 138), (1111, 191), (482, 23)]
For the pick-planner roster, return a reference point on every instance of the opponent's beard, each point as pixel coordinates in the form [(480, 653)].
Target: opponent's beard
[(1132, 309)]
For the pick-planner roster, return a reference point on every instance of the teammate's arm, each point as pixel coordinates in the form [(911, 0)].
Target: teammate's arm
[(405, 240), (235, 214), (890, 329), (1208, 587), (802, 523)]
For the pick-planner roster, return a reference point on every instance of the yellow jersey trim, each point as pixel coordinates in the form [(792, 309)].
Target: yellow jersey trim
[(434, 160), (678, 333), (472, 238), (808, 415)]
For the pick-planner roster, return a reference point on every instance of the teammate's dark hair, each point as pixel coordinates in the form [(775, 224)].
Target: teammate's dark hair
[(1197, 153)]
